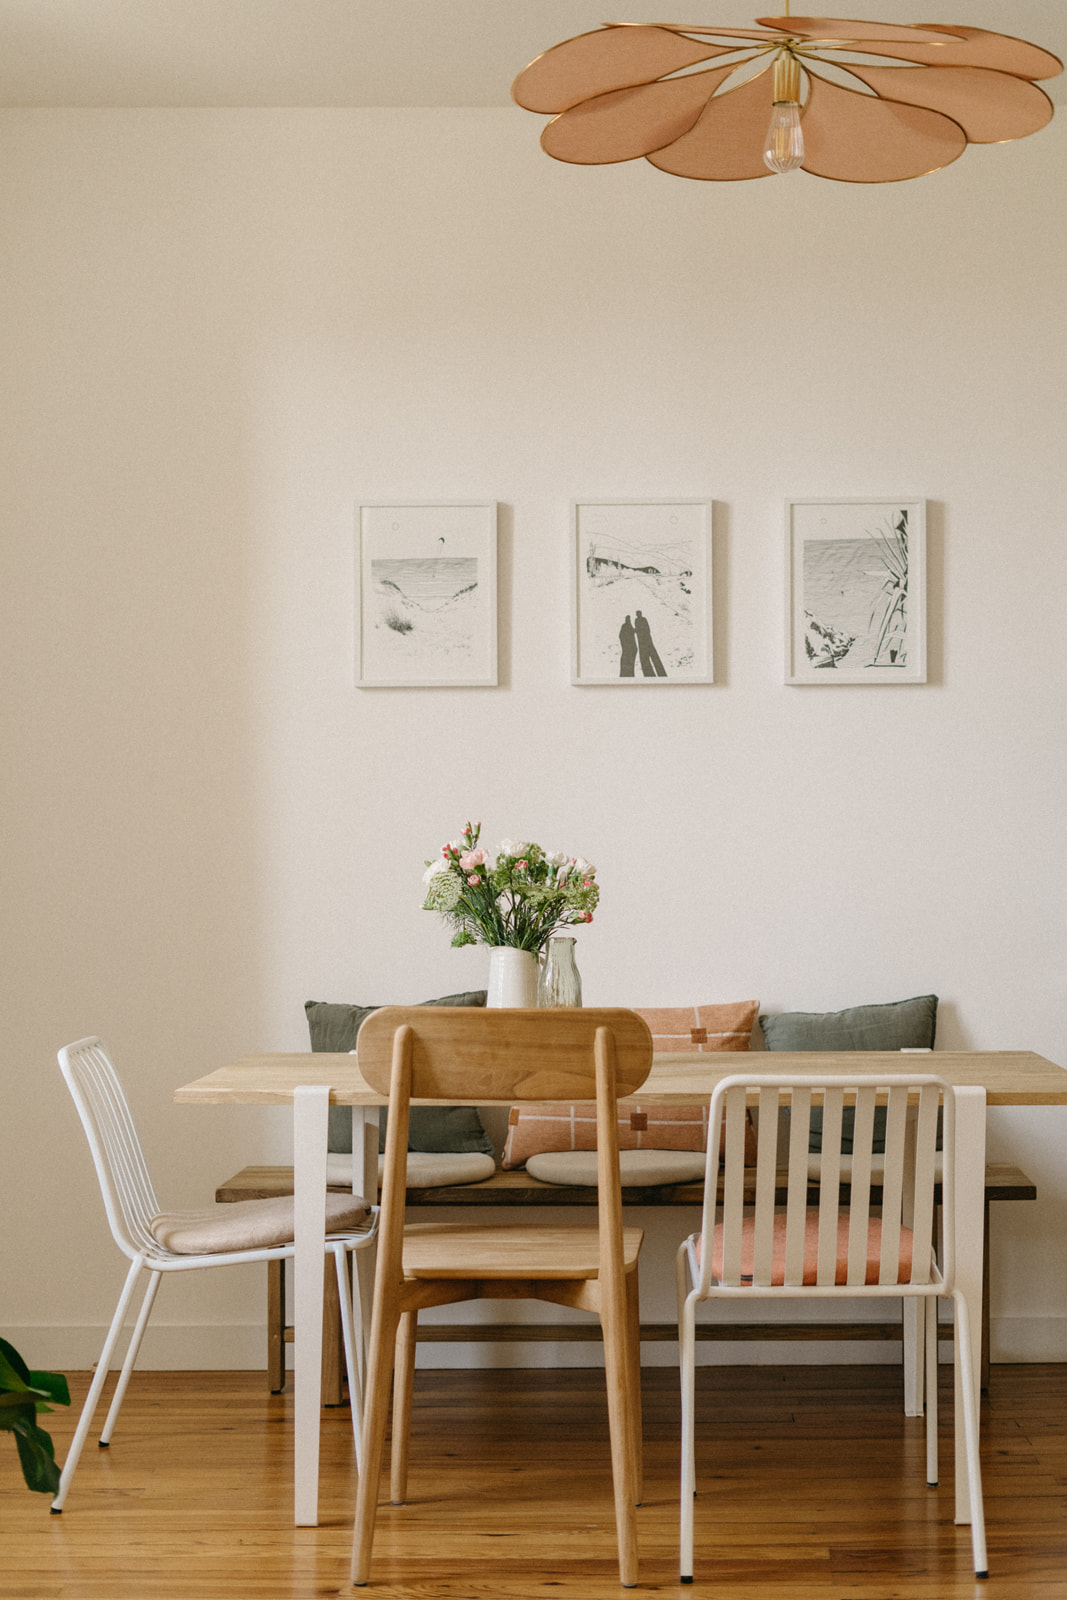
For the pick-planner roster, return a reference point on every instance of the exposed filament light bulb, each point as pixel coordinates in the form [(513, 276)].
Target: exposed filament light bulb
[(783, 149)]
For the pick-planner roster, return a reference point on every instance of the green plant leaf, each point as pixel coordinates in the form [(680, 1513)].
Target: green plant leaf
[(53, 1385), (14, 1373), (36, 1454)]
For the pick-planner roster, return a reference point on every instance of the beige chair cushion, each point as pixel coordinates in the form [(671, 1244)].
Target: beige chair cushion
[(248, 1224), (636, 1167), (427, 1169)]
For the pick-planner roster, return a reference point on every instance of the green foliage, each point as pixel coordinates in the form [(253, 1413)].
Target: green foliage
[(22, 1395)]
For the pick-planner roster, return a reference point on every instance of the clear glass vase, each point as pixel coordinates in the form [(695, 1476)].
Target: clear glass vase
[(559, 983)]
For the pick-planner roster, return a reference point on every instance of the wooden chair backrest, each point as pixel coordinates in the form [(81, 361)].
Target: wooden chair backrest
[(460, 1052), (906, 1183)]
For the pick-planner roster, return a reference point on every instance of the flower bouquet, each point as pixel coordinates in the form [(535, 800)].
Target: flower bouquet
[(518, 901)]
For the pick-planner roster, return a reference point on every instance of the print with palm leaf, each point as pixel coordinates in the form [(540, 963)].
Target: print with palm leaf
[(891, 544)]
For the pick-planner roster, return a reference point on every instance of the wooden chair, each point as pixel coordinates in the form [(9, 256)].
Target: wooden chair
[(502, 1055), (749, 1247)]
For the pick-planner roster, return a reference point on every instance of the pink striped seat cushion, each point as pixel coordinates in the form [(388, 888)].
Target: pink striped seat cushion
[(811, 1250)]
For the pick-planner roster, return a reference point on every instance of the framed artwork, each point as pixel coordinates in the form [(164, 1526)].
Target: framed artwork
[(855, 591), (426, 595), (641, 592)]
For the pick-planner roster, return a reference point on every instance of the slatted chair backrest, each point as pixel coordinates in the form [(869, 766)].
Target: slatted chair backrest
[(129, 1198), (861, 1244)]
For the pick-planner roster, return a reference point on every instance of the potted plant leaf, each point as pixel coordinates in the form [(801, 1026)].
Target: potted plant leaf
[(22, 1395)]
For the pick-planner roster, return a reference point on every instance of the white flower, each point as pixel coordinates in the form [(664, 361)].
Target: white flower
[(557, 858), (515, 848), (434, 868), (584, 868)]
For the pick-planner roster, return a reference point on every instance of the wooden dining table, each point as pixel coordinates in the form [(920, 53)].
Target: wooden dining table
[(311, 1082)]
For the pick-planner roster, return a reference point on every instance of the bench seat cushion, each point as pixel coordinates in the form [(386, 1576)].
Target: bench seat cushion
[(427, 1169), (637, 1168)]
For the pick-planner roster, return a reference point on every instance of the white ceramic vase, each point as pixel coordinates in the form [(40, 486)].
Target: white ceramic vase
[(512, 977)]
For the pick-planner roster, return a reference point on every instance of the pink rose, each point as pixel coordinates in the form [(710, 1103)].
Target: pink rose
[(587, 916), (474, 878), (472, 859)]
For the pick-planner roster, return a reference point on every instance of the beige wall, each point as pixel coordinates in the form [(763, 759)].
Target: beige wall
[(221, 331)]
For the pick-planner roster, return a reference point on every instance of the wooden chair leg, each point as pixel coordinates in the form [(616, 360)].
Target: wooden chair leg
[(633, 1330), (403, 1387), (617, 1365), (375, 1415), (984, 1374), (333, 1364), (276, 1326)]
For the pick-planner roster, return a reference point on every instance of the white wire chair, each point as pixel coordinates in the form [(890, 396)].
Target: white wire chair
[(875, 1243), (132, 1208)]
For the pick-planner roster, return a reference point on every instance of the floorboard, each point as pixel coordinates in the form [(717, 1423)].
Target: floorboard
[(811, 1487)]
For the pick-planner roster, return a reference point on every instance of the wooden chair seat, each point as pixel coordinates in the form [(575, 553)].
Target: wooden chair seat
[(510, 1250)]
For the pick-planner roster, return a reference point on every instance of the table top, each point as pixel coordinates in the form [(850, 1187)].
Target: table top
[(1009, 1077)]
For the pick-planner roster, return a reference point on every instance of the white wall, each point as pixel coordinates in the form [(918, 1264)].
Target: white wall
[(222, 330)]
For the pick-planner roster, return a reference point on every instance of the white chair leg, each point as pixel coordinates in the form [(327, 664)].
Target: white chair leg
[(914, 1341), (930, 1324), (970, 1432), (686, 1368), (99, 1379), (132, 1353)]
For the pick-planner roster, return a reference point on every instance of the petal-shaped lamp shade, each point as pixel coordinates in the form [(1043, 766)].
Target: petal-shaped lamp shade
[(990, 107), (727, 142), (631, 122), (608, 58), (846, 28), (856, 138), (972, 47), (627, 90)]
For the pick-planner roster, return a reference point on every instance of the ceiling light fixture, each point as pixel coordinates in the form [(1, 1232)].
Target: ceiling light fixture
[(629, 89)]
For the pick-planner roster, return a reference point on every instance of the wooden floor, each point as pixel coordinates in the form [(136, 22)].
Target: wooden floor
[(811, 1480)]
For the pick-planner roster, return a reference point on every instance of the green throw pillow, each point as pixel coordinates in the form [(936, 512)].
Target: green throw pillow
[(899, 1025), (433, 1129)]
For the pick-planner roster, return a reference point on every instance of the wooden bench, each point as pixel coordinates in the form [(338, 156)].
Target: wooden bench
[(1003, 1182)]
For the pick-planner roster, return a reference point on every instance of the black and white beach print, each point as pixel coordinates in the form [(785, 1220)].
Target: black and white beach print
[(641, 593), (426, 605), (424, 613)]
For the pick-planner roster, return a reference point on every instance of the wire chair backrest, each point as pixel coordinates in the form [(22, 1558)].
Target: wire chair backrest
[(875, 1239), (127, 1190)]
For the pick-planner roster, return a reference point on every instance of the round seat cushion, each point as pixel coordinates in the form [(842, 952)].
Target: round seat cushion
[(636, 1167), (426, 1169)]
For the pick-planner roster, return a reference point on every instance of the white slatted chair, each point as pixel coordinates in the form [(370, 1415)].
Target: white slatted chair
[(219, 1236), (837, 1249)]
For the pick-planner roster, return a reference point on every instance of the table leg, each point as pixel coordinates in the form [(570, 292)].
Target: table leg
[(310, 1122), (970, 1217)]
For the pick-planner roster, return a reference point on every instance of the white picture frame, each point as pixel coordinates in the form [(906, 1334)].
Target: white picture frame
[(426, 595), (855, 592), (641, 592)]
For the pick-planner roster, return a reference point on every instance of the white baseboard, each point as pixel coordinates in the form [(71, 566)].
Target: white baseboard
[(174, 1347), (242, 1347)]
